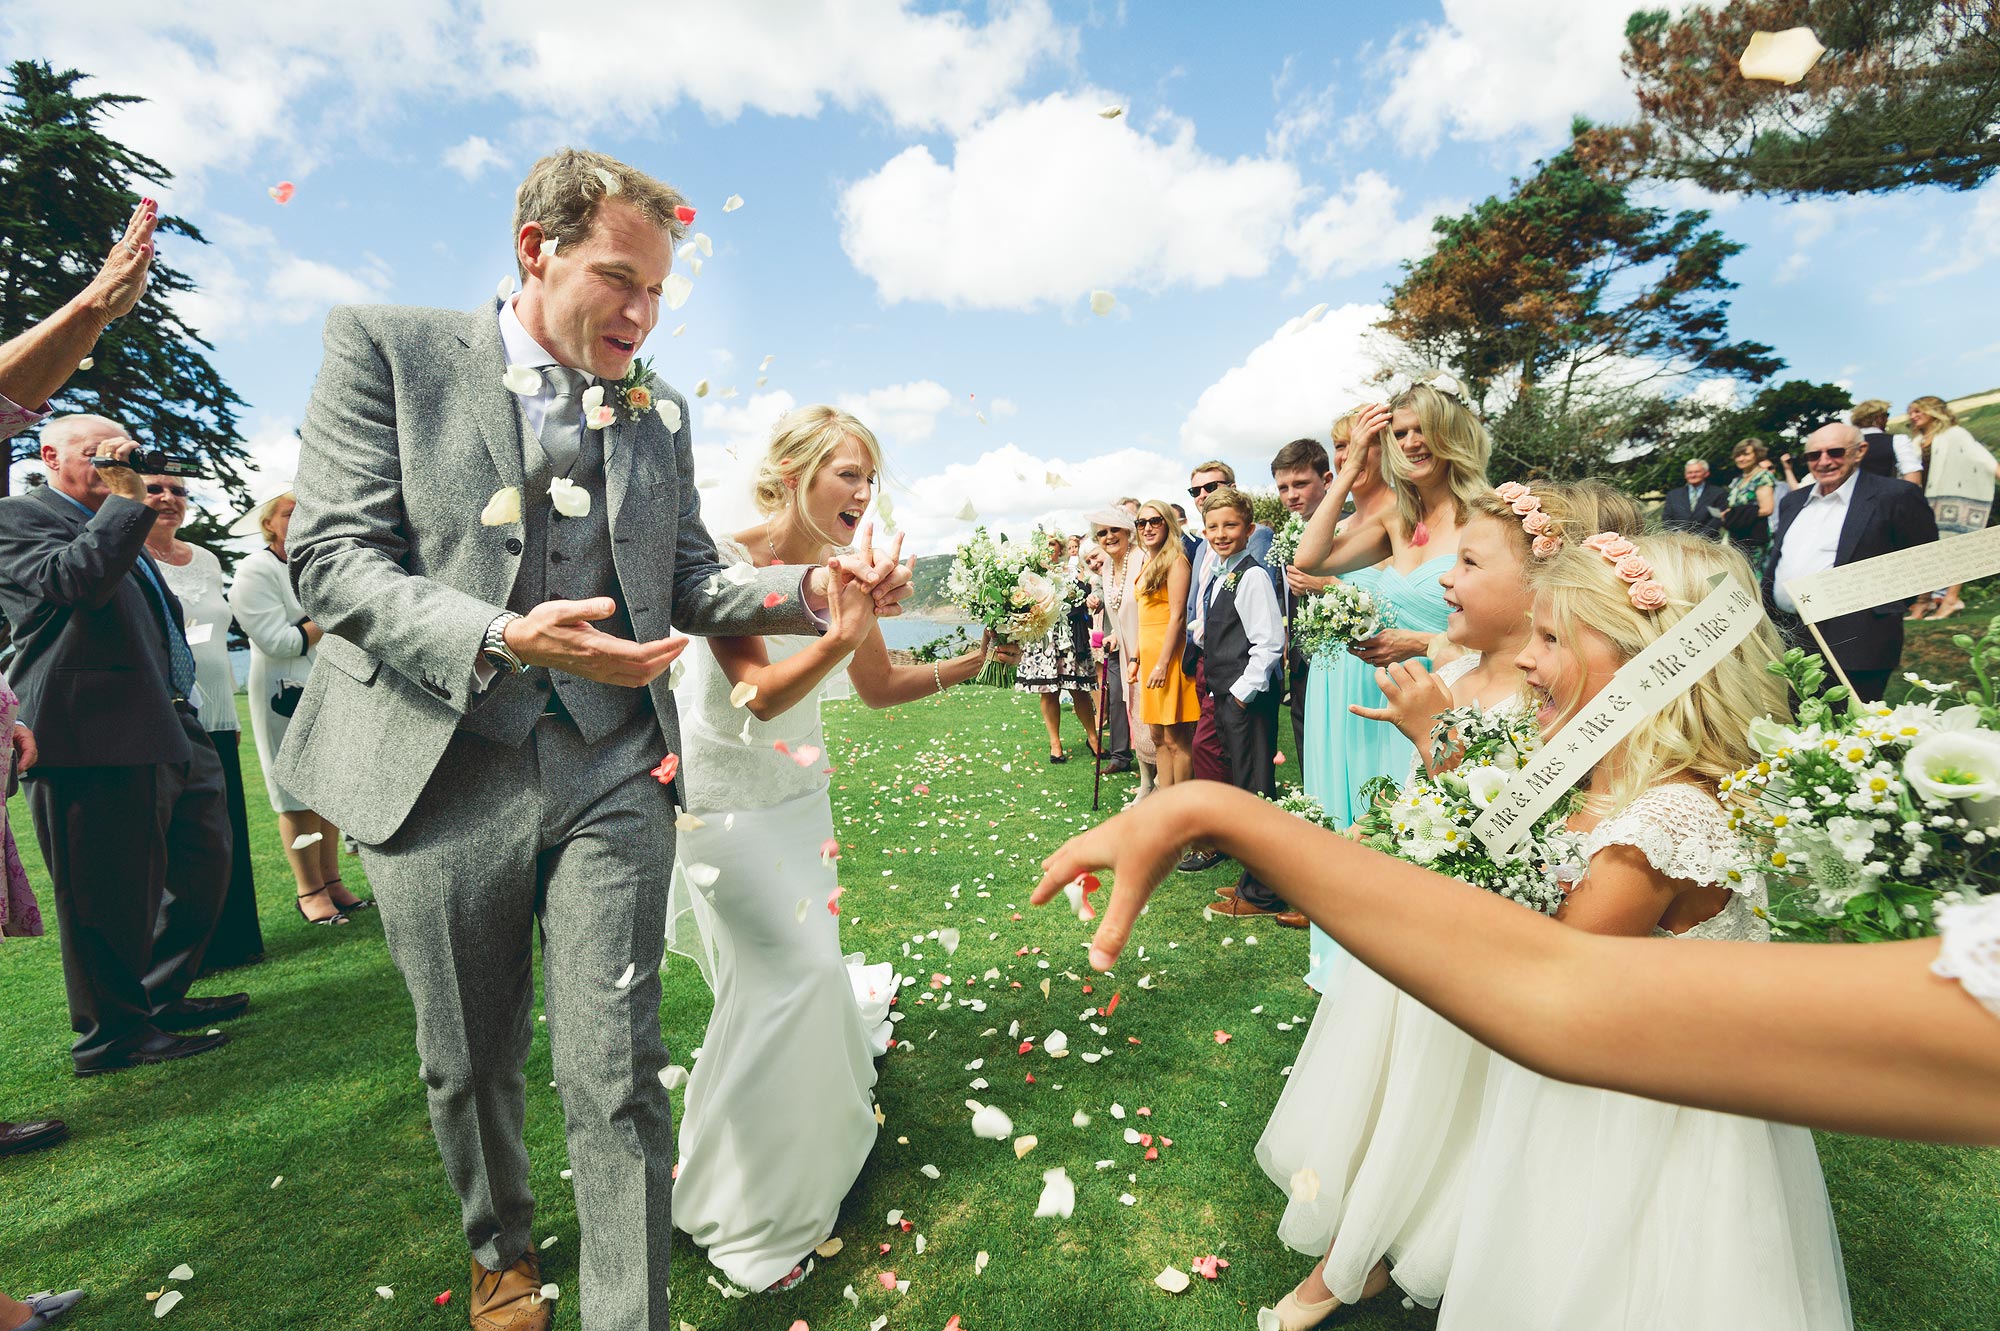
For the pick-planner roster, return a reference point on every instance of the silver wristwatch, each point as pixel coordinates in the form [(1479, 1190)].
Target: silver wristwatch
[(494, 646)]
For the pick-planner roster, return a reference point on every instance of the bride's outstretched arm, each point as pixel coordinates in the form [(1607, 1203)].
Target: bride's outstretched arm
[(1849, 1038), (880, 682), (782, 685)]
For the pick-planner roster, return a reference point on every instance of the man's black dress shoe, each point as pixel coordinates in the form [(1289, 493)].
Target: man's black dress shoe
[(20, 1138), (1197, 860), (192, 1012), (155, 1046)]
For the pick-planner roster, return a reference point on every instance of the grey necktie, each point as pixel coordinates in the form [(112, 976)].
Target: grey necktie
[(562, 427)]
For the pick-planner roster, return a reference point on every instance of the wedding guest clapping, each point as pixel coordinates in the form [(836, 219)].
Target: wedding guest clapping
[(282, 642), (195, 575)]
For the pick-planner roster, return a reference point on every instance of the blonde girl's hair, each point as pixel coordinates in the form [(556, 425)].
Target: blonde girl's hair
[(1703, 734), (801, 442), (1159, 563), (1942, 419), (1575, 509), (1454, 436), (1343, 426)]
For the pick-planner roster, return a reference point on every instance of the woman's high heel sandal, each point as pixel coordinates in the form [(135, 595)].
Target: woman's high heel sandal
[(336, 918), (365, 903), (1296, 1315)]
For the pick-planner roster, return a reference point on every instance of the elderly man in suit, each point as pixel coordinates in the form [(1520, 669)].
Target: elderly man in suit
[(128, 797), (498, 531), (1692, 507), (1845, 516)]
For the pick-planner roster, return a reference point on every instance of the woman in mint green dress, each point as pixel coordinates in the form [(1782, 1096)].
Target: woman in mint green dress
[(1431, 451)]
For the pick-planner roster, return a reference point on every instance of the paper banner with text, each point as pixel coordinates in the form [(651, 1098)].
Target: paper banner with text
[(1695, 645), (1898, 577)]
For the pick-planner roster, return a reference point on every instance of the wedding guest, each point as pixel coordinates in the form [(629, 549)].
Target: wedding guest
[(1886, 456), (1242, 637), (1693, 507), (1430, 450), (1845, 517), (1072, 547), (195, 577), (1959, 475), (127, 795), (1111, 528), (1167, 701), (282, 642), (1391, 1183), (1122, 604), (1209, 763), (1301, 471), (1130, 505), (1751, 502), (788, 1062), (1061, 662)]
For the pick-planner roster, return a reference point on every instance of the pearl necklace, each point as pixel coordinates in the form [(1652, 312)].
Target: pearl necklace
[(1114, 589)]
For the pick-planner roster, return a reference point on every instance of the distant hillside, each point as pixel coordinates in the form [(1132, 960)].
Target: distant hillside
[(927, 580), (1977, 412)]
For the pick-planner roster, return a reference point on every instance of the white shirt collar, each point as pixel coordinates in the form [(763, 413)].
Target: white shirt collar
[(1840, 496), (519, 344)]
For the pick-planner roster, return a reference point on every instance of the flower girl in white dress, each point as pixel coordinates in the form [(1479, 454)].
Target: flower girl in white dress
[(780, 1113), (1591, 1210), (1383, 1100)]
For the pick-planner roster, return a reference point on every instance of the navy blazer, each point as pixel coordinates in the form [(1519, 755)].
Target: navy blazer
[(1677, 515), (1883, 516), (91, 665)]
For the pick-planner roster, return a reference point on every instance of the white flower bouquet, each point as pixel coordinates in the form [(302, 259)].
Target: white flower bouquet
[(1327, 622), (1428, 821), (1874, 815), (1006, 587), (1285, 544), (1301, 805)]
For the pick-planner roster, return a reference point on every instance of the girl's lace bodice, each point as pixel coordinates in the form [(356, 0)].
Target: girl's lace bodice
[(1684, 833), (1969, 934), (729, 758)]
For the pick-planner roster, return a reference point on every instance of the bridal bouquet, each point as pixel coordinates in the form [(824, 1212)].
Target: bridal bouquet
[(1327, 622), (1285, 544), (1005, 586), (1873, 815), (1429, 820)]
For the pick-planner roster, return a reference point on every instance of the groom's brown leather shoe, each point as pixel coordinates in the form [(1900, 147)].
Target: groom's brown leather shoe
[(510, 1300)]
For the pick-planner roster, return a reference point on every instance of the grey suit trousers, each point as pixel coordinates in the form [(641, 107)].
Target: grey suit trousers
[(579, 837)]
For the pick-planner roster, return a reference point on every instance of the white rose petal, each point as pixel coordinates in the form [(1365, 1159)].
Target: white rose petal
[(181, 1272), (948, 940), (1058, 1195), (1102, 302), (593, 398), (704, 244), (968, 513), (1079, 1119), (88, 361), (300, 842), (703, 875), (600, 418), (1268, 1320), (503, 508), (384, 1292), (732, 203), (979, 1262), (675, 290), (1055, 1043), (694, 266), (991, 1123), (1173, 1280), (1781, 57), (679, 329), (571, 500), (1111, 112), (673, 1076), (742, 694), (167, 1302), (610, 181), (506, 288), (765, 364), (701, 388), (552, 1292), (525, 380), (548, 249), (631, 969), (1305, 1184), (670, 414)]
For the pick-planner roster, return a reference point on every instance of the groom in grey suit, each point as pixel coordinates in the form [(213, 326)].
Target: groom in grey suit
[(491, 702)]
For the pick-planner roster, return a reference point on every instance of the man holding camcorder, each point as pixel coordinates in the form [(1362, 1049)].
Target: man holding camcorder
[(128, 795)]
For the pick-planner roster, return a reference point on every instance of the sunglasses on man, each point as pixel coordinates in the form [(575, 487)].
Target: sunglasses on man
[(1201, 491), (177, 491), (1830, 454)]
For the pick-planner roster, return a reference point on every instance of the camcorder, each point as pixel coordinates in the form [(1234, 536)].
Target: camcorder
[(154, 462)]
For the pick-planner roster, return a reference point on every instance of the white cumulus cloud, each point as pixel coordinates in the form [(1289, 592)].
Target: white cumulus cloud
[(901, 413), (1008, 487), (473, 156), (1291, 386), (1046, 201), (246, 280), (1357, 229)]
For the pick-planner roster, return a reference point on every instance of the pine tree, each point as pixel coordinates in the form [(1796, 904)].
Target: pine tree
[(65, 196)]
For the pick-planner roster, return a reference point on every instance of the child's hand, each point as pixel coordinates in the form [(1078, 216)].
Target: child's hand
[(1139, 846), (1412, 698)]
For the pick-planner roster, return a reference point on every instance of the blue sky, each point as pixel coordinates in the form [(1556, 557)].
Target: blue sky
[(930, 197)]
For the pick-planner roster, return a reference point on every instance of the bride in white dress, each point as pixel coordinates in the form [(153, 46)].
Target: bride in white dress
[(780, 1113)]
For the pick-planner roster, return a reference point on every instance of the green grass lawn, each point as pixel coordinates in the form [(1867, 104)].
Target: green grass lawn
[(319, 1085)]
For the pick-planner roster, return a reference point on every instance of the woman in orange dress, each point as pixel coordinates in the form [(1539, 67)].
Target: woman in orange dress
[(1168, 703)]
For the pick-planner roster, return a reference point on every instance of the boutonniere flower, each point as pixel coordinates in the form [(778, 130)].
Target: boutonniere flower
[(1229, 582), (634, 393)]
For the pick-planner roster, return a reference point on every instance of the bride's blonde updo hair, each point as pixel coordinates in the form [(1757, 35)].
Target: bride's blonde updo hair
[(1704, 733), (801, 442)]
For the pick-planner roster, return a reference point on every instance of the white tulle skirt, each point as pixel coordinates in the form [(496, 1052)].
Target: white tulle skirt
[(780, 1113), (1587, 1210), (1382, 1105)]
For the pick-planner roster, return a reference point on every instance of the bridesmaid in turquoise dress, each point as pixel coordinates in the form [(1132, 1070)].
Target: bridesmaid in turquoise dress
[(1431, 451)]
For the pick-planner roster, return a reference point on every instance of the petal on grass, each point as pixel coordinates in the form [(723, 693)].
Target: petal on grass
[(991, 1123), (167, 1302), (1058, 1199), (181, 1272), (1173, 1280)]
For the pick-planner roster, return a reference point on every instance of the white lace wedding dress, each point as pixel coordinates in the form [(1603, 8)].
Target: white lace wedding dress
[(1589, 1210), (1969, 948), (780, 1113), (1382, 1105)]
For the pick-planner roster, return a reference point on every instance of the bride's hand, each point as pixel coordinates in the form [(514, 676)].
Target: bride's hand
[(850, 608), (1140, 847), (992, 649)]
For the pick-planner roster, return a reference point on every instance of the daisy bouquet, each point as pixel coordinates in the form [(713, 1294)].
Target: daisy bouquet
[(1874, 815), (1285, 544), (1428, 820), (1327, 622), (1005, 586)]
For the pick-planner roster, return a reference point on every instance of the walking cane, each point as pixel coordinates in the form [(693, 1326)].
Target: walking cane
[(1103, 705)]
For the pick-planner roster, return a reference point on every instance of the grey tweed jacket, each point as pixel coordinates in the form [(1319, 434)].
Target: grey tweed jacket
[(409, 432)]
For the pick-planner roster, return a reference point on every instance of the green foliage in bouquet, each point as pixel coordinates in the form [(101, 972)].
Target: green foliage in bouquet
[(1325, 623), (1864, 817)]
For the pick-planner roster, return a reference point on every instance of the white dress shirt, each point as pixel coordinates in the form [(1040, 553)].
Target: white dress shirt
[(1263, 621), (1813, 540), (522, 349)]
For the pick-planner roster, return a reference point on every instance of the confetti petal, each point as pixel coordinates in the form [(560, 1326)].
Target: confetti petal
[(181, 1272), (687, 822), (979, 1262), (968, 513), (1025, 1144), (609, 181), (829, 850), (669, 768), (799, 911), (670, 414), (675, 290), (1101, 303), (593, 398), (1222, 1037), (384, 1292), (732, 203), (741, 695), (701, 388), (1781, 57), (1111, 112), (505, 290), (600, 418), (673, 1076), (571, 500), (772, 600), (1058, 1195), (503, 509), (703, 875), (684, 215), (525, 380), (281, 192), (551, 1292), (170, 1300), (86, 363), (992, 1124), (806, 755), (1305, 1185), (948, 940), (1173, 1280), (631, 969), (300, 842)]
